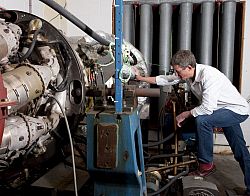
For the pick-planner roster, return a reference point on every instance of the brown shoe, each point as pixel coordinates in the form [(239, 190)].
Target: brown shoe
[(204, 169)]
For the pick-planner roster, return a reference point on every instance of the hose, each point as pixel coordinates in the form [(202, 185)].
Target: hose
[(159, 142), (75, 21), (31, 48)]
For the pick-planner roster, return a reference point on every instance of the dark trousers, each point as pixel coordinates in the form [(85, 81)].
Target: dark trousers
[(230, 122)]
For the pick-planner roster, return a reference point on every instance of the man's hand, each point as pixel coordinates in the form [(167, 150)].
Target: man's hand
[(181, 117), (136, 73)]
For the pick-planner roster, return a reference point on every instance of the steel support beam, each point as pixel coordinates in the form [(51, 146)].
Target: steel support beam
[(118, 55)]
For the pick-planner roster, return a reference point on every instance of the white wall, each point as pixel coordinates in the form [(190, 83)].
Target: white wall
[(97, 14)]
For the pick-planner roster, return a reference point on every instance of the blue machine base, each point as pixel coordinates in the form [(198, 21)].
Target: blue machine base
[(115, 154)]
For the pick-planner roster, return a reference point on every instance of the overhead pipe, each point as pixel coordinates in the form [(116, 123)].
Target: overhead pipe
[(129, 23), (185, 26), (62, 11), (146, 33), (226, 60), (206, 42)]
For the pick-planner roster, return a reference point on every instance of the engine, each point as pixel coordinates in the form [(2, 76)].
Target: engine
[(42, 81)]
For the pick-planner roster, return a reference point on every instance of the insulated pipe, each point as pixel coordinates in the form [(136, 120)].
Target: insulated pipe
[(164, 45), (185, 26), (227, 39), (62, 11), (146, 33), (207, 11), (129, 23), (165, 37)]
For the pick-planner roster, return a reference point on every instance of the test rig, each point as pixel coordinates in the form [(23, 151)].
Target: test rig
[(56, 107)]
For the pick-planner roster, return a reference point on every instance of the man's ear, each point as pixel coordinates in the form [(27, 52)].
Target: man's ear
[(190, 67)]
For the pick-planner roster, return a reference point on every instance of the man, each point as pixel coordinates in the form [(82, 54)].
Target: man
[(221, 105)]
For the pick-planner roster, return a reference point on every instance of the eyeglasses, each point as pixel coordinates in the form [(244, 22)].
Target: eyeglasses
[(180, 70)]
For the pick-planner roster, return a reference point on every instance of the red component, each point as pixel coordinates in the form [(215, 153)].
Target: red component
[(3, 107)]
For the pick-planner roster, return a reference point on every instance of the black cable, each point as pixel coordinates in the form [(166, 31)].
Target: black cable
[(31, 48), (75, 21), (159, 142), (169, 183), (67, 63)]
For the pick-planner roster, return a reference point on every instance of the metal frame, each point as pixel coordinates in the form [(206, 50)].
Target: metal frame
[(118, 55)]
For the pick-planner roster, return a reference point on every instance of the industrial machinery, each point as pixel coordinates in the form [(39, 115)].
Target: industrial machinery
[(37, 77), (42, 82), (59, 99), (44, 78)]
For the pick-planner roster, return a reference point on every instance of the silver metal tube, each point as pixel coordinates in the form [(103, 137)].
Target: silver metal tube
[(129, 24), (227, 39), (164, 45), (207, 11), (146, 33), (165, 37), (185, 26)]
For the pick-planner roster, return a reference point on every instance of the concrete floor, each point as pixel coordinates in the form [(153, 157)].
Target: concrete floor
[(228, 175)]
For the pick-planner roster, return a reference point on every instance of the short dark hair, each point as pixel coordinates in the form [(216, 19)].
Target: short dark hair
[(183, 58)]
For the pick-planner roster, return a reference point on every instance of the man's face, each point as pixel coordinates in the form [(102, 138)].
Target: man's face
[(184, 72)]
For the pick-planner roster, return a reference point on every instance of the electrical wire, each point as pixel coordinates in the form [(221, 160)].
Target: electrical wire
[(71, 143), (31, 48)]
